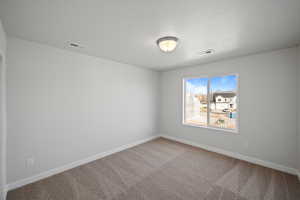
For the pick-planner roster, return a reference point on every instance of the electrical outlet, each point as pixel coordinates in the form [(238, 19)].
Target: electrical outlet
[(30, 162)]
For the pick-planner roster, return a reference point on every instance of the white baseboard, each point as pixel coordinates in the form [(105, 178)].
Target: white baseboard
[(58, 170), (298, 174), (238, 156), (3, 192)]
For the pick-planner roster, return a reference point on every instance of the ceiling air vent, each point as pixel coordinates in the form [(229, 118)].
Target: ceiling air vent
[(75, 45), (208, 51)]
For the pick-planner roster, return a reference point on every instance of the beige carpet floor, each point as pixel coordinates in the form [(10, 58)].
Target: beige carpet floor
[(164, 170)]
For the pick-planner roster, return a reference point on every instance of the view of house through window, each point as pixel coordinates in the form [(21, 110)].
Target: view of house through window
[(219, 94)]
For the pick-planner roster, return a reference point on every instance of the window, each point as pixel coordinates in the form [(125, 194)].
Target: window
[(211, 102)]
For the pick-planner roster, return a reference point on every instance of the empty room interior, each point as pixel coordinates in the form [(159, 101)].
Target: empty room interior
[(149, 100)]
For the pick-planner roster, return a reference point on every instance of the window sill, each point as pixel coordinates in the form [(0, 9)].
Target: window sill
[(212, 128)]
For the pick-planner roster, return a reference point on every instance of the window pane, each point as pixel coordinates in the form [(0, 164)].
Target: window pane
[(223, 102), (196, 101)]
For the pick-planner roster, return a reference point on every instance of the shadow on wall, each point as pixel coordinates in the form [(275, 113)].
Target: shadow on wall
[(2, 131)]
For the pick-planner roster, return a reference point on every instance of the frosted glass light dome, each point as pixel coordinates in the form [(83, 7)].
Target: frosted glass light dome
[(167, 44)]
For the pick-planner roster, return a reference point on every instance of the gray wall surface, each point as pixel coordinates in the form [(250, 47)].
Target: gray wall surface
[(267, 106), (298, 104), (64, 106), (2, 111)]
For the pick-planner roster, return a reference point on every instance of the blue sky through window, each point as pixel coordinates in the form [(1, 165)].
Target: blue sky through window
[(222, 83), (197, 85)]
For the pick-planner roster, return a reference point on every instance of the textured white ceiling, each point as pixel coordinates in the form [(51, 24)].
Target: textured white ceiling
[(127, 30)]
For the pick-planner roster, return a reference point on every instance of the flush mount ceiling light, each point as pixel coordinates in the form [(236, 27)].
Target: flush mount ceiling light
[(167, 44)]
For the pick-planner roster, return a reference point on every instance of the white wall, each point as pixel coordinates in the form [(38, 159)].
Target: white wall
[(64, 106), (2, 112), (268, 126), (298, 104)]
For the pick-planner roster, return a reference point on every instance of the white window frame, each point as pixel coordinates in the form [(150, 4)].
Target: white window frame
[(208, 126)]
